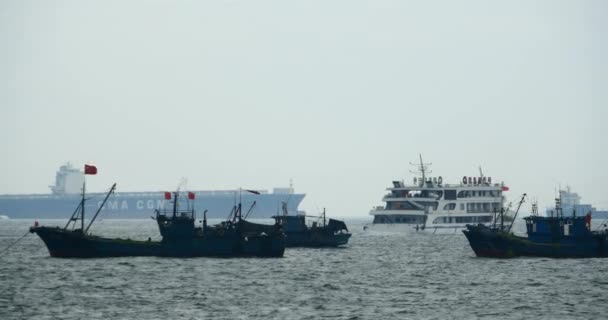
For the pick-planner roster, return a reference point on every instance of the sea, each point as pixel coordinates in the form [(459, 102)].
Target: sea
[(377, 276)]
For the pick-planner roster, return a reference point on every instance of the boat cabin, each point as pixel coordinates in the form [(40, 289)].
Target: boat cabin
[(549, 229), (292, 223)]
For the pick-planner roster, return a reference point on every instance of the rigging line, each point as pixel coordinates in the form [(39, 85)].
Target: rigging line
[(249, 211), (600, 224), (14, 243), (231, 212)]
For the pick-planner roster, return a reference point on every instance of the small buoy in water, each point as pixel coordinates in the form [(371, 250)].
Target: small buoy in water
[(35, 223)]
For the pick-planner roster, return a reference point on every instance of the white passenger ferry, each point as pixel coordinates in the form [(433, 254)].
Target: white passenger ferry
[(432, 206)]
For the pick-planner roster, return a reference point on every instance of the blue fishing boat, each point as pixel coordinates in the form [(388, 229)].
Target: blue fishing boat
[(556, 236)]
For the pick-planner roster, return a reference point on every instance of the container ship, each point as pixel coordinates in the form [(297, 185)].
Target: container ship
[(570, 205), (67, 191)]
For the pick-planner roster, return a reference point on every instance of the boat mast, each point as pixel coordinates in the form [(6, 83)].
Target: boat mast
[(204, 220), (422, 170), (239, 213), (175, 204), (523, 198), (324, 217), (558, 206), (82, 208)]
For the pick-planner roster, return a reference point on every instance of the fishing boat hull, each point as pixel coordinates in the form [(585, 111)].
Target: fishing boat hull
[(318, 239), (493, 243), (299, 234), (74, 244)]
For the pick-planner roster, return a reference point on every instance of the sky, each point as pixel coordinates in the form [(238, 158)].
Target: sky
[(338, 95)]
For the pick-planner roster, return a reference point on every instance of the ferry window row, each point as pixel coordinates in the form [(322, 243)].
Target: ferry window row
[(405, 205), (399, 219), (482, 207), (478, 193), (482, 219), (474, 207), (400, 205), (428, 206), (434, 194)]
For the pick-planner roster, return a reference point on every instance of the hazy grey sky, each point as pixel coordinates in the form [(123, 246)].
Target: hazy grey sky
[(338, 95)]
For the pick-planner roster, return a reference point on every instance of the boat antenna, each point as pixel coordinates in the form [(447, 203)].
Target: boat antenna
[(422, 169), (521, 201)]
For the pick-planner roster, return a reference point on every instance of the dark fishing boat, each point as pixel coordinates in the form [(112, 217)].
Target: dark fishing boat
[(553, 237), (320, 234), (235, 237)]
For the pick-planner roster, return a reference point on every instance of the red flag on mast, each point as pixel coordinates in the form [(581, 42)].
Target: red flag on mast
[(191, 195), (167, 195), (90, 169)]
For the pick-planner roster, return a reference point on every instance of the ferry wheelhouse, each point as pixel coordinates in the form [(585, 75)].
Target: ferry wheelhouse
[(432, 206)]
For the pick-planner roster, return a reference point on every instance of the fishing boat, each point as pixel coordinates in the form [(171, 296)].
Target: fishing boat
[(321, 233), (556, 236), (235, 237)]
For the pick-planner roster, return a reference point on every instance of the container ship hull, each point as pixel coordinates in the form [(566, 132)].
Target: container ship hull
[(137, 205)]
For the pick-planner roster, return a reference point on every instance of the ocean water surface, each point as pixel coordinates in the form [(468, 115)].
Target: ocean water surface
[(377, 276)]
